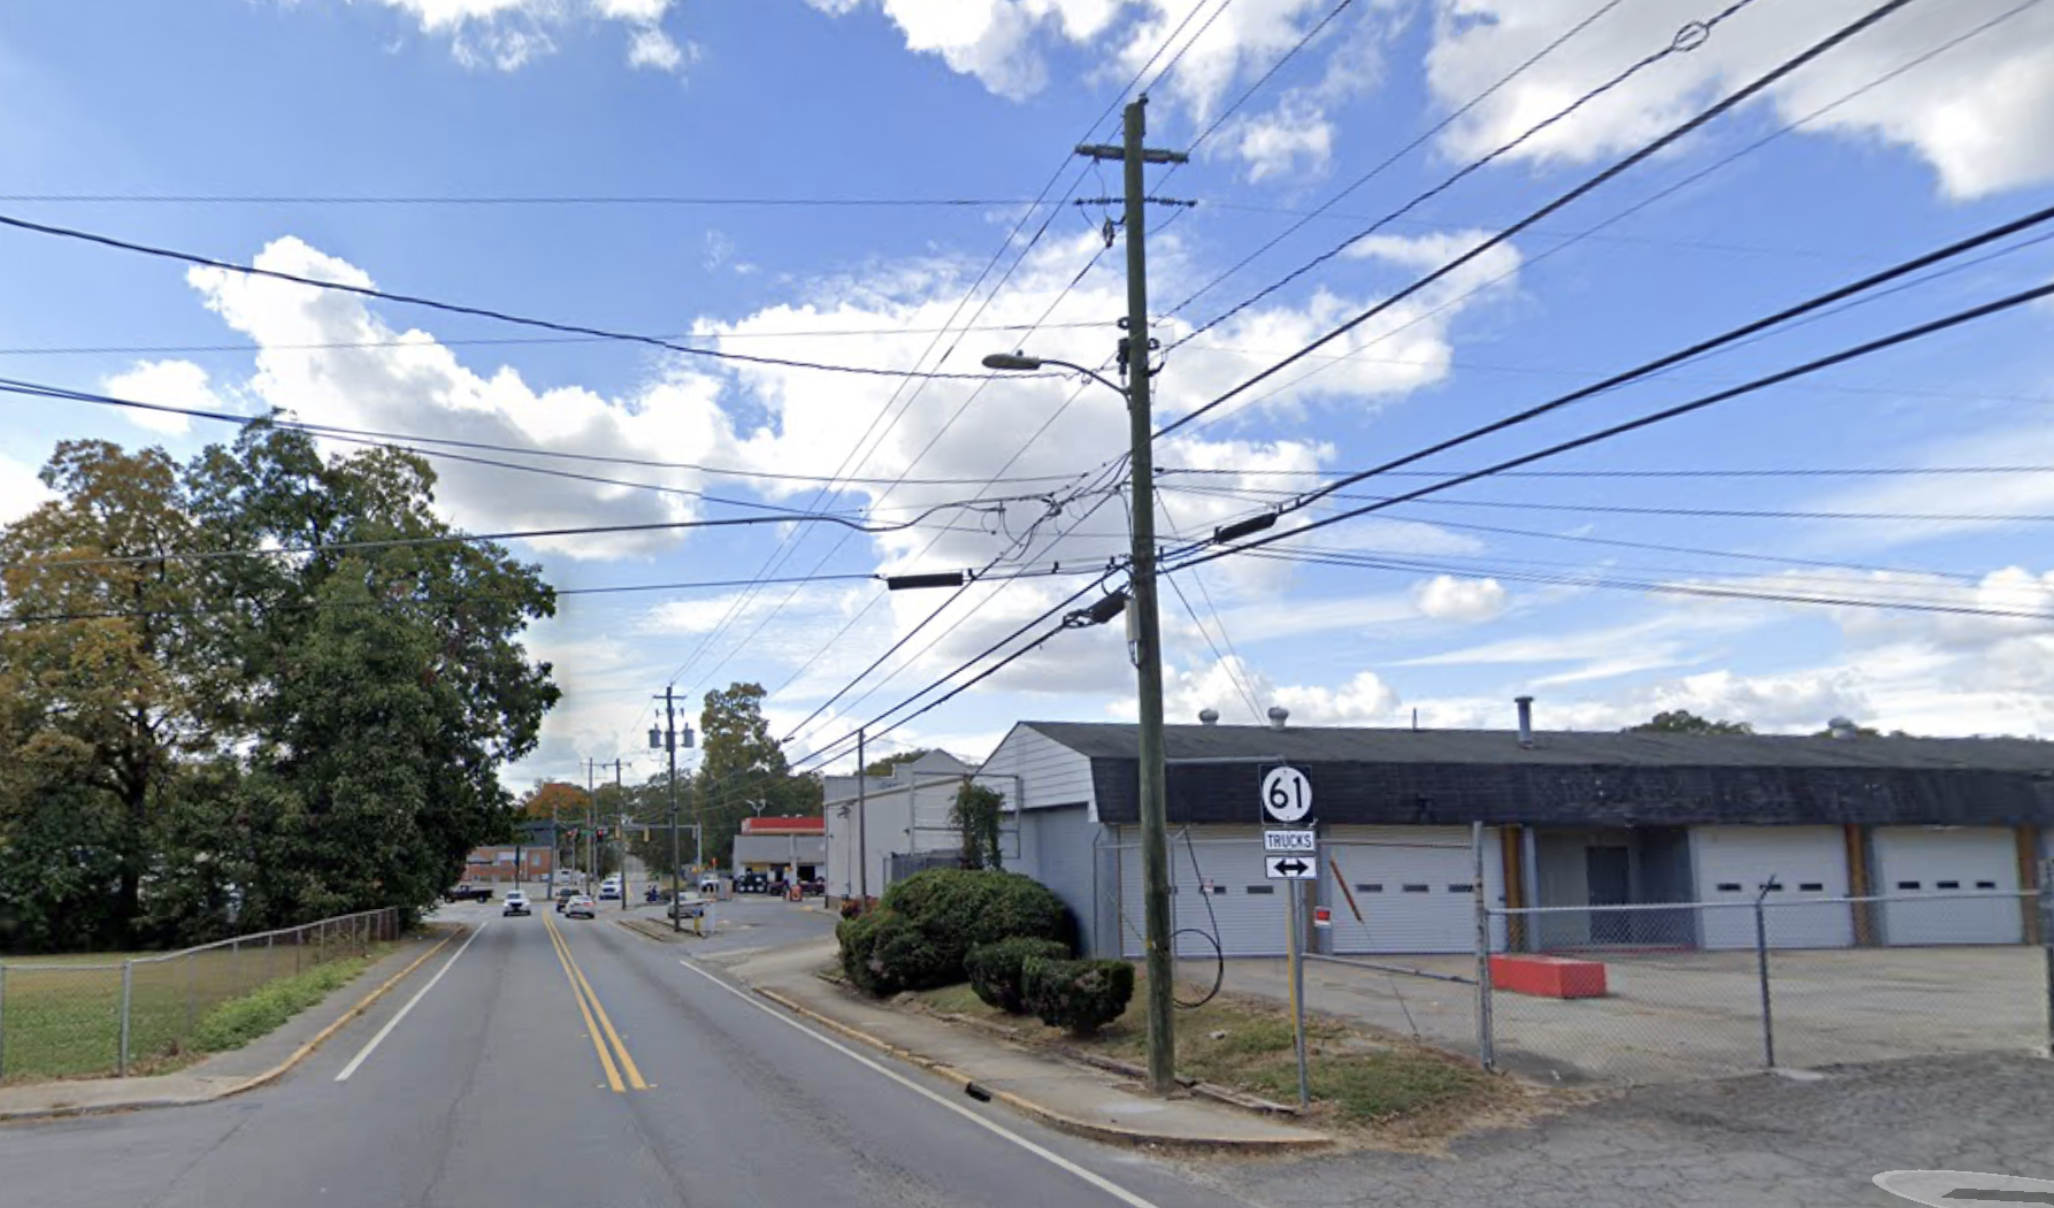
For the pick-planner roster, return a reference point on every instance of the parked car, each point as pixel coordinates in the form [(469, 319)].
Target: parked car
[(689, 908), (563, 895), (516, 903), (814, 887), (752, 882), (580, 907), (709, 883), (467, 892)]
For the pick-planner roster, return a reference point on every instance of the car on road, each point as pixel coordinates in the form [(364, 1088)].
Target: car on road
[(516, 903), (467, 892), (689, 908), (610, 891), (580, 906), (709, 883), (564, 895)]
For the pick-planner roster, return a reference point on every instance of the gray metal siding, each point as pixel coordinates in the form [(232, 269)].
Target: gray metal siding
[(1057, 846)]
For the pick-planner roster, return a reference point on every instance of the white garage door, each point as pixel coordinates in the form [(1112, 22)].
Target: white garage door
[(1217, 864), (1412, 885), (1914, 862), (1733, 862)]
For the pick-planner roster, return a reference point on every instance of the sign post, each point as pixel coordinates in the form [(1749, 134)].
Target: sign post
[(1292, 855)]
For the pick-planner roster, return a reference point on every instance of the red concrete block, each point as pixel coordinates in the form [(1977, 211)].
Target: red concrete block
[(1548, 976)]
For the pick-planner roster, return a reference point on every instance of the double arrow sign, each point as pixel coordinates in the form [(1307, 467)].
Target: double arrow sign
[(1292, 868)]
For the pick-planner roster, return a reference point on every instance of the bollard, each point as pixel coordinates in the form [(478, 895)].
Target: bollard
[(1761, 956), (3, 1020)]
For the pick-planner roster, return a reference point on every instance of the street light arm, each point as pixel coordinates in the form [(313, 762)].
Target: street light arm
[(1020, 361)]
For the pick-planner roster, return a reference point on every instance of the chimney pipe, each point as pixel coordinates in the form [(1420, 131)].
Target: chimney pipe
[(1208, 717), (1525, 704), (1278, 715)]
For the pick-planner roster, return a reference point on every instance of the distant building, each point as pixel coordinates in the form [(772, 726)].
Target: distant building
[(880, 828), (508, 863)]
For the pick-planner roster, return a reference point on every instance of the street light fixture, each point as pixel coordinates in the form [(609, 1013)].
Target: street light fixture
[(1020, 361)]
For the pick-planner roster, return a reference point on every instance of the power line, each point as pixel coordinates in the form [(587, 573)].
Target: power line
[(1843, 356), (1417, 142), (1691, 352), (1686, 589), (1317, 28), (365, 291), (1619, 167), (1171, 66), (511, 200), (1686, 182), (1777, 472)]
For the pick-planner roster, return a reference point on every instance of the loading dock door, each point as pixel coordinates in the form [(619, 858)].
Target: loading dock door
[(1412, 884), (1733, 862), (1221, 865), (1915, 861)]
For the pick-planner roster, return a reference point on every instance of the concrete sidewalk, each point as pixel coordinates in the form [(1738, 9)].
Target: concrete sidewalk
[(1075, 1098), (238, 1070)]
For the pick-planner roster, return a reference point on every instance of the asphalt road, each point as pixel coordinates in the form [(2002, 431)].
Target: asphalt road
[(600, 1070)]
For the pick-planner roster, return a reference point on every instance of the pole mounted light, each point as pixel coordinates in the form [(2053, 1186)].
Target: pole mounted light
[(1242, 528), (916, 582), (1020, 361), (1011, 361)]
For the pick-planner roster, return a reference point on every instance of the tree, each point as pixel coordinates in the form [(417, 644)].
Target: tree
[(978, 813), (890, 763), (1680, 721), (741, 766), (111, 673), (556, 800)]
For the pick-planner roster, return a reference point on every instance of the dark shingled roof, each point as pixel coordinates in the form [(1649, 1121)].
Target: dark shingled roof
[(1572, 778)]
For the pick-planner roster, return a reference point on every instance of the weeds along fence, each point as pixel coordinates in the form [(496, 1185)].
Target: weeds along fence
[(61, 1018)]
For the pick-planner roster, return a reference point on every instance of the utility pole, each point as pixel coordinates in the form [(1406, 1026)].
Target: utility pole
[(862, 825), (668, 737), (591, 820), (621, 837), (1135, 348)]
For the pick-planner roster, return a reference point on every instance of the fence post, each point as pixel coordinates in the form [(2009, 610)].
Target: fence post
[(192, 993), (2047, 942), (128, 968), (1761, 956), (3, 1019), (269, 972), (1486, 1038)]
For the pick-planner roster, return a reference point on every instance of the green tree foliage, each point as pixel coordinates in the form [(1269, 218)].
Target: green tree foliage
[(231, 740), (1681, 721), (743, 771), (978, 813), (890, 763)]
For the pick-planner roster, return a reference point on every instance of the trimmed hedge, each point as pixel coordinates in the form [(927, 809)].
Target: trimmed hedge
[(994, 969), (1082, 996), (925, 926)]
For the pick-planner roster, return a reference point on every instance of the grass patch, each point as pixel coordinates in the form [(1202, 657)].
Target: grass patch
[(58, 1020), (1358, 1079), (238, 1021)]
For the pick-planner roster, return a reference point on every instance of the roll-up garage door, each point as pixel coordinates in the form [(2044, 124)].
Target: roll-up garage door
[(1217, 864), (1412, 885), (1915, 862), (1734, 862)]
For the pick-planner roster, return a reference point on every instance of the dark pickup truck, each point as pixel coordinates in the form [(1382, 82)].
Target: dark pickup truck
[(469, 893)]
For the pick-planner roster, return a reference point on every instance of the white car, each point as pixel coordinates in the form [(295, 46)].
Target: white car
[(579, 907), (609, 891), (516, 903)]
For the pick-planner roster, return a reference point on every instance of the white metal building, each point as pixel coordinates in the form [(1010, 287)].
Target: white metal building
[(900, 815), (1570, 820)]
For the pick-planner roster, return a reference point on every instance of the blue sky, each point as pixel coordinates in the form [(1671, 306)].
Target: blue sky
[(834, 100)]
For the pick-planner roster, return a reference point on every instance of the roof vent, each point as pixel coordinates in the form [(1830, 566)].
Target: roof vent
[(1208, 717), (1278, 715), (1842, 728), (1525, 704)]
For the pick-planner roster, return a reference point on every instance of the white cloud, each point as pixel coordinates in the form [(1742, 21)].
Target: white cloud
[(1447, 598), (1975, 113), (1364, 700), (1275, 143), (21, 492), (407, 382), (507, 35), (172, 383)]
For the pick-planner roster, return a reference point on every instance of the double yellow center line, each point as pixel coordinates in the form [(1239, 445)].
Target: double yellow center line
[(621, 1073)]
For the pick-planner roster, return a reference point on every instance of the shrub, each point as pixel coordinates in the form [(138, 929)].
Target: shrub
[(994, 969), (238, 1021), (1082, 996), (924, 927)]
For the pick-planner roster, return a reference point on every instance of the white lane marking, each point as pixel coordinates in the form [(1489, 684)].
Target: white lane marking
[(420, 994), (1045, 1154)]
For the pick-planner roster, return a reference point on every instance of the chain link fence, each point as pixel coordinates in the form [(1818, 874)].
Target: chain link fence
[(1707, 988), (63, 1018)]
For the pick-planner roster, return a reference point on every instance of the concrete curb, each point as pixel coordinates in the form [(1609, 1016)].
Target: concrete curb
[(255, 1080), (1114, 1134)]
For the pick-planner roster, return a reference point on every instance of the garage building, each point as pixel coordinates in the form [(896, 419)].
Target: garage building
[(1571, 819)]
